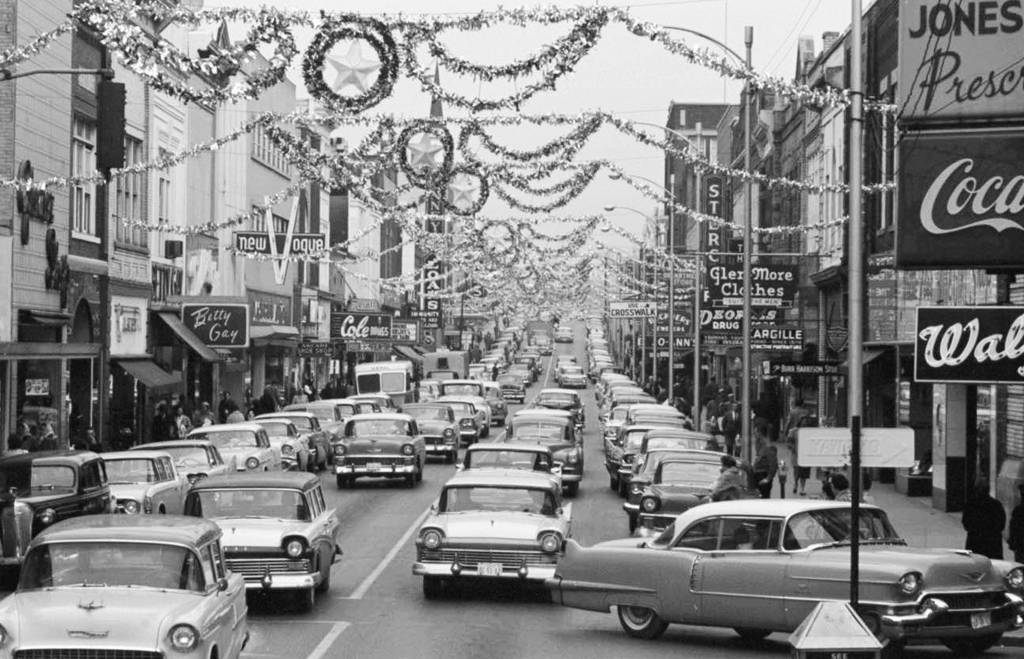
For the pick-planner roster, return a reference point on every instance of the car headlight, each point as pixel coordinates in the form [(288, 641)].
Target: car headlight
[(650, 504), (287, 449), (130, 505), (431, 538), (339, 449), (550, 542), (910, 582), (252, 463), (572, 458), (636, 488), (408, 449), (294, 547), (3, 636), (1015, 578), (49, 515), (184, 638), (448, 432)]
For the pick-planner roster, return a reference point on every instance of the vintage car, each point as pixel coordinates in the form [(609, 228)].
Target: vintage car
[(308, 425), (126, 586), (145, 482), (492, 523), (505, 455), (564, 335), (279, 533), (620, 453), (612, 422), (571, 376), (380, 445), (471, 419), (331, 412), (523, 372), (496, 401), (245, 444), (40, 489), (196, 458), (657, 415), (761, 566), (472, 391), (430, 389), (554, 429), (562, 399), (385, 402), (288, 442), (532, 360), (512, 387), (439, 428)]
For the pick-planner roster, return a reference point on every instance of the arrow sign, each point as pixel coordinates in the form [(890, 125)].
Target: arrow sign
[(820, 369)]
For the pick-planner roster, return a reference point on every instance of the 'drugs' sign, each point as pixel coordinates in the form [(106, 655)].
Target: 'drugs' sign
[(969, 344)]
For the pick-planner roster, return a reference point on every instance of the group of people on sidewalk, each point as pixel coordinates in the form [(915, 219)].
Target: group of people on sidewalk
[(984, 519)]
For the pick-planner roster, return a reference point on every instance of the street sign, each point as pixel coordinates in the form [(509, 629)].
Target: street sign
[(819, 369), (633, 309), (879, 447)]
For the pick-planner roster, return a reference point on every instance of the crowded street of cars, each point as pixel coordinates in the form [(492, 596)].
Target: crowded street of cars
[(513, 544)]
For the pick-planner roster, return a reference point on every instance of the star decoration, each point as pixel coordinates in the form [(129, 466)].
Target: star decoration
[(463, 191), (354, 69), (423, 152)]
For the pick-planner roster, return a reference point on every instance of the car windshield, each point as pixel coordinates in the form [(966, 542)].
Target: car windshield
[(694, 474), (394, 382), (301, 423), (502, 459), (367, 427), (433, 413), (832, 526), (497, 499), (245, 502), (277, 428), (618, 413), (230, 439), (186, 457), (509, 380), (461, 389), (346, 409), (523, 429), (695, 443), (105, 563), (367, 408), (130, 470)]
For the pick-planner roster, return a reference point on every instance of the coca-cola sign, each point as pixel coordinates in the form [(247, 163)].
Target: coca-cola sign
[(961, 199), (969, 344), (361, 326)]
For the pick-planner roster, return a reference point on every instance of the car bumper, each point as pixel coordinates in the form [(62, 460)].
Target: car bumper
[(281, 581), (571, 476), (383, 470), (631, 509), (441, 448), (518, 572), (516, 398), (934, 619)]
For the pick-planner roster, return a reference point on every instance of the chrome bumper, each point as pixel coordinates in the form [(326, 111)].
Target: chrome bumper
[(281, 581), (1008, 616), (383, 470), (521, 572)]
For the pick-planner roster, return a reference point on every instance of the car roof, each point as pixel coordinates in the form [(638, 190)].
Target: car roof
[(501, 478), (542, 411), (381, 416), (769, 507), (415, 406), (175, 529), (135, 455), (275, 479), (655, 407), (44, 456), (286, 414), (558, 390), (460, 381), (458, 398), (225, 427), (173, 443)]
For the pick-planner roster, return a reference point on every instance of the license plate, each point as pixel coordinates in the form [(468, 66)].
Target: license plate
[(489, 569), (374, 466), (979, 620)]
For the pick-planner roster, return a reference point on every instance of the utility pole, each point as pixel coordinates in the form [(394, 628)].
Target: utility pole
[(748, 40), (671, 286)]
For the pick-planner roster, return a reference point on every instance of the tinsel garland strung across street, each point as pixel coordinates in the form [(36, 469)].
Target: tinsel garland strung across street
[(564, 147), (12, 56)]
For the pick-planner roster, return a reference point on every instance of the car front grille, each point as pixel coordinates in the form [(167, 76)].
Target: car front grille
[(962, 601), (471, 557), (363, 461), (255, 568), (85, 653)]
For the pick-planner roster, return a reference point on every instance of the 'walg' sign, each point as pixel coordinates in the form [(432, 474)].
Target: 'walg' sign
[(969, 344)]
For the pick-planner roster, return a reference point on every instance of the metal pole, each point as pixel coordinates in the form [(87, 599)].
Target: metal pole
[(643, 322), (657, 305), (696, 295), (855, 393), (671, 288), (748, 40)]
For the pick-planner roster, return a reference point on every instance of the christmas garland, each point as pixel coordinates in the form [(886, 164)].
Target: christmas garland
[(467, 170), (426, 177)]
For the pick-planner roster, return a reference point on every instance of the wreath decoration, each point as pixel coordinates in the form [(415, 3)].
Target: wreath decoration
[(485, 191), (351, 27), (424, 177)]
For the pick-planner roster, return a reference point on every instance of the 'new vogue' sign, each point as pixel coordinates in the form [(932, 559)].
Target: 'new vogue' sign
[(969, 344)]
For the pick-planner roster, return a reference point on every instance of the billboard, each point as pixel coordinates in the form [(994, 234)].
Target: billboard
[(969, 344), (960, 59), (361, 326), (961, 199)]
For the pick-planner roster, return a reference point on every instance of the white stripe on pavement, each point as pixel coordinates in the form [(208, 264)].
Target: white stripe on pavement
[(328, 640), (367, 583)]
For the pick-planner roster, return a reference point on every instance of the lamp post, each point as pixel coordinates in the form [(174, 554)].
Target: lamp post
[(643, 264)]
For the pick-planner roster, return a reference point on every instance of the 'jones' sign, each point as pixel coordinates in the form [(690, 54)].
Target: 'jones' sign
[(969, 344)]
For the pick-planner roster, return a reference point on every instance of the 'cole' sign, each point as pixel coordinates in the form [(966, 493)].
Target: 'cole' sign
[(361, 326), (969, 344), (218, 325)]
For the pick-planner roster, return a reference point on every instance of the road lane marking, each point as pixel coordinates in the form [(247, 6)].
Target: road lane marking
[(328, 640), (367, 583)]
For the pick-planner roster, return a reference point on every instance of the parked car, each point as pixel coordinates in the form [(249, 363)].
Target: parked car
[(492, 524), (620, 453), (195, 458), (278, 532), (246, 445), (308, 425), (381, 445), (761, 566), (554, 429), (126, 586), (37, 490), (563, 399), (512, 387), (145, 482), (288, 442), (439, 428), (571, 377)]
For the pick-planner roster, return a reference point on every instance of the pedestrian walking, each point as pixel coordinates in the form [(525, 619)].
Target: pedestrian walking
[(223, 406), (161, 423), (840, 487), (731, 482), (783, 475), (1015, 538), (766, 465), (729, 425), (984, 519)]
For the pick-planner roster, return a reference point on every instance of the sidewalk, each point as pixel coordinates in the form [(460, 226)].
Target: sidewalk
[(913, 517)]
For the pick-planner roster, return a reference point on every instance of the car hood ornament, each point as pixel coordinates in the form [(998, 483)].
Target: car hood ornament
[(81, 633), (975, 577)]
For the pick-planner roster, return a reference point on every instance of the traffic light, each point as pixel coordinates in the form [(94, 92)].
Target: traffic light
[(110, 97)]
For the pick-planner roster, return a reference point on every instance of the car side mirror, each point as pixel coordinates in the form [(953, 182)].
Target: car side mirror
[(222, 584), (433, 508)]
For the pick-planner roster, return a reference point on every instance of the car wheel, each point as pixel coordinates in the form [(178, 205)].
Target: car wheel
[(571, 489), (892, 649), (306, 598), (452, 457), (641, 622), (325, 582), (971, 646), (343, 481), (752, 634), (485, 431), (433, 587)]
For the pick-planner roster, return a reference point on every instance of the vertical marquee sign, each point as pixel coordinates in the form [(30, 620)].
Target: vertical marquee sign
[(218, 325), (969, 345)]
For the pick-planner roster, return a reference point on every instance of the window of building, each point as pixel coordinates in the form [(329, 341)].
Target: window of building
[(83, 163), (129, 192), (265, 151)]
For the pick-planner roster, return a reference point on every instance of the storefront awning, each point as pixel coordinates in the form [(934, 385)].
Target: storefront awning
[(189, 337), (867, 356), (46, 318), (284, 336), (151, 375), (408, 353)]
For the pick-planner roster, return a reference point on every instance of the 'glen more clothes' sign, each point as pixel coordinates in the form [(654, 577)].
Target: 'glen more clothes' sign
[(969, 344), (218, 325)]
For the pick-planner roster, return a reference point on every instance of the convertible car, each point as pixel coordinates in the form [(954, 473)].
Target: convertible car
[(761, 566)]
